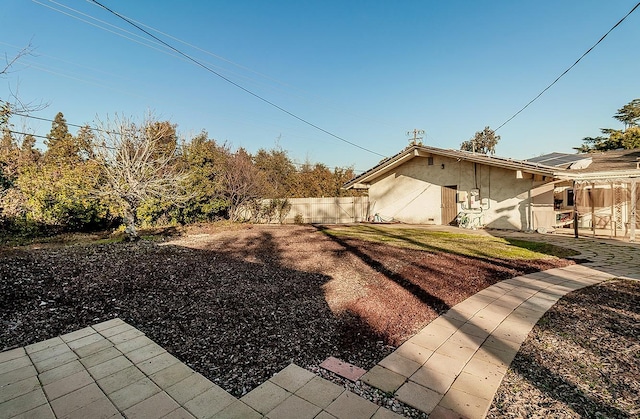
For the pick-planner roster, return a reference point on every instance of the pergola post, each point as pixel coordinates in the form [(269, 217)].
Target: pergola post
[(632, 235)]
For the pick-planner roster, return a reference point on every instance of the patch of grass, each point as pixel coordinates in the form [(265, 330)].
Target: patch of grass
[(485, 247)]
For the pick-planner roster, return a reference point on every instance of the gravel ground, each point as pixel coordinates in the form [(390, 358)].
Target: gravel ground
[(239, 305), (582, 359)]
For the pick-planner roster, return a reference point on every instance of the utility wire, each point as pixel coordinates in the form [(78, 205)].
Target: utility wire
[(257, 96), (569, 69)]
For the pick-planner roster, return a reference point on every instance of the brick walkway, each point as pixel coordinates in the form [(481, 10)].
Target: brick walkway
[(452, 368)]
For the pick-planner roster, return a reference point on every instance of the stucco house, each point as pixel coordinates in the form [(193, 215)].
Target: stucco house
[(429, 185)]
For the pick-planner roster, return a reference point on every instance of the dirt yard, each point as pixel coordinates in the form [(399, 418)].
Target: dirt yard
[(238, 305)]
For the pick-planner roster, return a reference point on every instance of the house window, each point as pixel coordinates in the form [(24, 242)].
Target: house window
[(430, 161)]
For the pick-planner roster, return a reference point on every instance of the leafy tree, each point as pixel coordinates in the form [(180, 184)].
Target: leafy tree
[(484, 142), (136, 166), (205, 161), (629, 114), (62, 147), (279, 172), (613, 139)]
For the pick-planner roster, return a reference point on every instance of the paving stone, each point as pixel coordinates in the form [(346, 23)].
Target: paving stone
[(22, 404), (120, 379), (18, 374), (414, 352), (464, 340), (444, 364), (471, 330), (465, 404), (418, 397), (501, 345), (41, 412), (487, 321), (132, 344), (479, 386), (15, 364), (156, 406), (87, 340), (134, 393), (149, 351), (320, 392), (43, 345), (84, 396), (324, 415), (190, 387), (53, 351), (171, 375), (116, 330), (12, 354), (77, 334), (98, 409), (60, 372), (108, 324), (350, 405), (512, 330), (237, 410), (433, 380), (18, 388), (157, 363), (292, 378), (109, 367), (100, 357), (126, 336), (265, 397), (483, 368), (180, 413), (456, 350), (67, 385), (431, 337), (93, 348), (446, 323), (342, 368), (440, 412), (399, 364), (383, 413), (383, 379), (56, 361), (209, 403), (294, 408)]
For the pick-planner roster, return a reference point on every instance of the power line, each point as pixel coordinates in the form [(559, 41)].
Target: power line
[(569, 69), (257, 96)]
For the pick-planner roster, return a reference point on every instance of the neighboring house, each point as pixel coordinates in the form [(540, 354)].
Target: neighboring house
[(428, 185)]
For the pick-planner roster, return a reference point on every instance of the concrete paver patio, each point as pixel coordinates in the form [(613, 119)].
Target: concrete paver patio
[(451, 368)]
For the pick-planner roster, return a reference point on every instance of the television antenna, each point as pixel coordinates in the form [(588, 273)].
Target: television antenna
[(415, 136)]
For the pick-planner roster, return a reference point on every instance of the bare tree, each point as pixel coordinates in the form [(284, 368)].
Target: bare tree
[(243, 183), (12, 104), (136, 165)]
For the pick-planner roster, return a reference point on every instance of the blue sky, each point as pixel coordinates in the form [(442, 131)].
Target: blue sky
[(366, 71)]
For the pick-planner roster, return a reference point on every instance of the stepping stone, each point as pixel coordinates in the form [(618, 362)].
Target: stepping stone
[(343, 369)]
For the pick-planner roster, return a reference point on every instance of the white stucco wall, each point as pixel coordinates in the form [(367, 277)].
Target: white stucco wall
[(412, 193)]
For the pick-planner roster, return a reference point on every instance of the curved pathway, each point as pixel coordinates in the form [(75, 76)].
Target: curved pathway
[(451, 368)]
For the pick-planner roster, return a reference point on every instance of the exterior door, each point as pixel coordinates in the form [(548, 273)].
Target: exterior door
[(449, 204)]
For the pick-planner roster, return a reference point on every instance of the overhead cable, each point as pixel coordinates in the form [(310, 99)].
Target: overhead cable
[(569, 69), (244, 89)]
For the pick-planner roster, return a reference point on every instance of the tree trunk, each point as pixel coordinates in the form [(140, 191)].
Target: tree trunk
[(130, 222)]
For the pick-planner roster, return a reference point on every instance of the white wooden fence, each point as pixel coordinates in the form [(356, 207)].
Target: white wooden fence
[(351, 209)]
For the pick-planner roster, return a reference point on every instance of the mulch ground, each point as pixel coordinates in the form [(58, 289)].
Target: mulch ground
[(240, 305), (582, 359)]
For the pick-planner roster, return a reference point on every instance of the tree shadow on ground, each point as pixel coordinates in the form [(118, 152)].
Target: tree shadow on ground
[(234, 321)]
